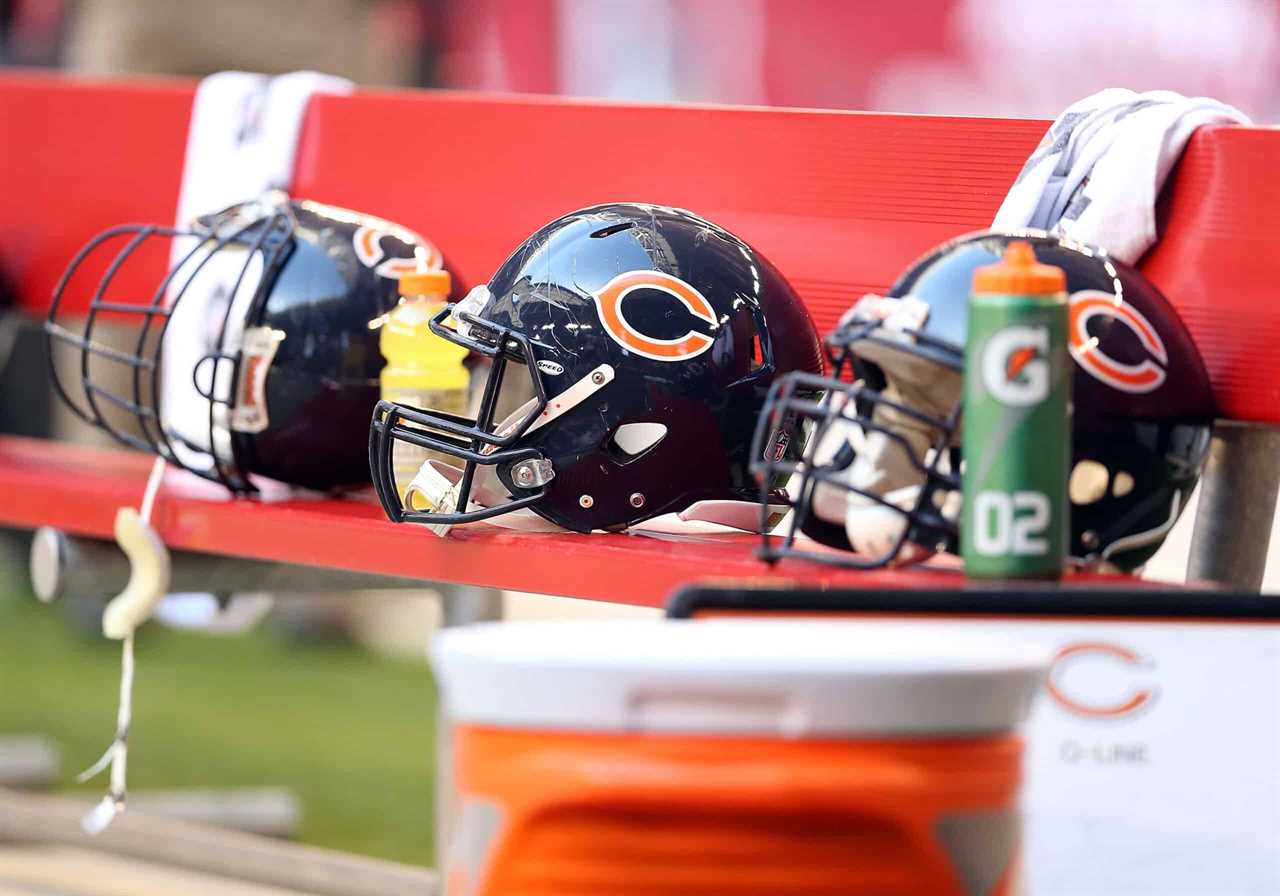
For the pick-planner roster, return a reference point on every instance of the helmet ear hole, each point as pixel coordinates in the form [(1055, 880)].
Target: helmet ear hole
[(1122, 484), (630, 440), (1088, 483)]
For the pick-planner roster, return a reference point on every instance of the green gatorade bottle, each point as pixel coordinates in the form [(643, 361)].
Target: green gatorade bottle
[(1017, 423)]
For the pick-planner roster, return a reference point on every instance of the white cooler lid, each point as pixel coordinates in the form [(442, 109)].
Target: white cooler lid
[(787, 678)]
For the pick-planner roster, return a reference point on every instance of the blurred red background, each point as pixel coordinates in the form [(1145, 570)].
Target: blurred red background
[(975, 57), (1021, 58)]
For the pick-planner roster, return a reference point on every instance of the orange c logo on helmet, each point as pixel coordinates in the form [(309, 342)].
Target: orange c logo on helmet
[(609, 305), (367, 241), (1146, 376)]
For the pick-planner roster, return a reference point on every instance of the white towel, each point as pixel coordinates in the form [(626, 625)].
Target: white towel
[(241, 143), (243, 136), (1096, 175)]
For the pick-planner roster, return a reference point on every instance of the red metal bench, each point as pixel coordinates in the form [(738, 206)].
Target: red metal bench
[(839, 201)]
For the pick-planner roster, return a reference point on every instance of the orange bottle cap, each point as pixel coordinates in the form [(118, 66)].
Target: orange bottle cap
[(1019, 273), (421, 283)]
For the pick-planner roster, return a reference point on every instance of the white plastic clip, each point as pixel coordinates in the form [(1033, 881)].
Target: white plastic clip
[(149, 570)]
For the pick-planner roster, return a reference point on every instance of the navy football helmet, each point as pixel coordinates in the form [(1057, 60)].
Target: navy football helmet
[(881, 479), (255, 355), (648, 337)]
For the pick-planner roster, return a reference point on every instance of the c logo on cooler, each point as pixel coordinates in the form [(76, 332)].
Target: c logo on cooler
[(622, 331), (1015, 365), (1076, 699), (1146, 376)]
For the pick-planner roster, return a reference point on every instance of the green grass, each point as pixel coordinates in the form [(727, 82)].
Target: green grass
[(350, 732)]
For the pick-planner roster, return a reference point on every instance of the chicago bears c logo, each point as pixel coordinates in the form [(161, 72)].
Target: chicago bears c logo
[(609, 306), (368, 245), (1146, 376), (1093, 699)]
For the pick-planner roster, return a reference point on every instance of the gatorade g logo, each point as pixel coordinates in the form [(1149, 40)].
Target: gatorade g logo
[(1094, 679), (1015, 365), (1146, 376), (368, 245), (624, 332)]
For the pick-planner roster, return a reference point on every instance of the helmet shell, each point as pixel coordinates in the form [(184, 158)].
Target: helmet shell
[(695, 324), (338, 276), (255, 355), (1142, 403)]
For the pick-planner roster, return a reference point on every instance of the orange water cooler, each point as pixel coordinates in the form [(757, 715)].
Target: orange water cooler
[(727, 758)]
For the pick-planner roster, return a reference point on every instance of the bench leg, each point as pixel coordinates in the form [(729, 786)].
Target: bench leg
[(1237, 507), (465, 604)]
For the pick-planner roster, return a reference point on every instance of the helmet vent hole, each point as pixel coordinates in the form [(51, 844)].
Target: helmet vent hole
[(633, 439), (1088, 483), (612, 229), (1122, 485)]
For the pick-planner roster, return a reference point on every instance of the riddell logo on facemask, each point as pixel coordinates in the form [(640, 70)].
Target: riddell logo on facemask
[(1015, 369), (625, 332), (1099, 680)]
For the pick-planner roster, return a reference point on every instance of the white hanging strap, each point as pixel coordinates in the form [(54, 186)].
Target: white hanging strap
[(149, 572)]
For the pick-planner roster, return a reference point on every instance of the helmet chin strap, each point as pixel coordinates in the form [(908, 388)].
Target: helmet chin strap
[(841, 433), (881, 465), (882, 468), (888, 468), (435, 487)]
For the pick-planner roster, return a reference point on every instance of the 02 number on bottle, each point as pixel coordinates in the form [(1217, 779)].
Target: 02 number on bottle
[(1011, 524)]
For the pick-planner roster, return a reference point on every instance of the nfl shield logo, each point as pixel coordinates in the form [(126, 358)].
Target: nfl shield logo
[(778, 447)]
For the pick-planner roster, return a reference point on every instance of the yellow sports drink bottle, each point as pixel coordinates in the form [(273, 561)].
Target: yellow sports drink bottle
[(423, 370)]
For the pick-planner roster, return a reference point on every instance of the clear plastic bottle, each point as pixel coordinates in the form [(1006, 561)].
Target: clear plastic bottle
[(423, 370)]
